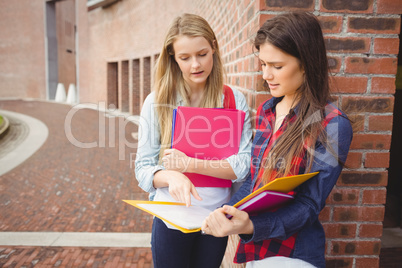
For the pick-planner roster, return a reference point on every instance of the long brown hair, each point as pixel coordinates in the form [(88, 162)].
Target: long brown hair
[(299, 34), (168, 77)]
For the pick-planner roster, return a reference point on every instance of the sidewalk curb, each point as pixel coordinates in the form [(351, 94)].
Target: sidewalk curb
[(37, 135), (76, 239)]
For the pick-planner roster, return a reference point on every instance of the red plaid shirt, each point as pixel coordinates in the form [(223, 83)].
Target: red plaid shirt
[(263, 142)]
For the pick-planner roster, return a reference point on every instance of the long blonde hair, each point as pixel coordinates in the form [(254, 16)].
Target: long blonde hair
[(168, 76)]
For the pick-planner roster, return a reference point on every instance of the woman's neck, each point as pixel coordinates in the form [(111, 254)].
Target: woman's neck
[(282, 109), (287, 103), (195, 99), (196, 96)]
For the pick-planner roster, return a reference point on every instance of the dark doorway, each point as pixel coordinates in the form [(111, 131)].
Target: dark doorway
[(393, 206), (51, 50), (60, 45), (112, 85)]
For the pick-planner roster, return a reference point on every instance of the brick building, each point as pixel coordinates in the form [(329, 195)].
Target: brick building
[(107, 48)]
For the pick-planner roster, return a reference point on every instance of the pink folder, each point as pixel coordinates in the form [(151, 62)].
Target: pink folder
[(209, 134), (265, 201)]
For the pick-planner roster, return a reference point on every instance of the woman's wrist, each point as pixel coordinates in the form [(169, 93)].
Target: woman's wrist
[(162, 178), (249, 228), (191, 165)]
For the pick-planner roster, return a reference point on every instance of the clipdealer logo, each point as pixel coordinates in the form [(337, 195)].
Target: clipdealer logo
[(108, 117)]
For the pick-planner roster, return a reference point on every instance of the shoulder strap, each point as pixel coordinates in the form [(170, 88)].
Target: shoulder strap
[(229, 101)]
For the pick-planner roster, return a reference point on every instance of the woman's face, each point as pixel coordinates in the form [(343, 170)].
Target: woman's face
[(194, 55), (282, 71)]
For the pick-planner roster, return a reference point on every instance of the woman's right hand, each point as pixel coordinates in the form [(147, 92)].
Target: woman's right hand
[(180, 186), (219, 225)]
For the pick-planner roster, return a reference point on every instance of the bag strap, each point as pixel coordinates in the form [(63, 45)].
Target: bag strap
[(229, 101)]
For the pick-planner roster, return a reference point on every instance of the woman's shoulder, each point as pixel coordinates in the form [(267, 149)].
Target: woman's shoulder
[(236, 92), (150, 98), (148, 105), (332, 111), (239, 97), (336, 117), (268, 104)]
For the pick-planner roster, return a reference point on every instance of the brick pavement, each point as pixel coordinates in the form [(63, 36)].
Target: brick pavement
[(65, 188), (75, 257)]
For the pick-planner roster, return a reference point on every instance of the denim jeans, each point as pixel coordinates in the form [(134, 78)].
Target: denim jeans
[(172, 248)]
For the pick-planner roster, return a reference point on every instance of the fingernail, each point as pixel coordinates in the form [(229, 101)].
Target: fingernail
[(203, 233)]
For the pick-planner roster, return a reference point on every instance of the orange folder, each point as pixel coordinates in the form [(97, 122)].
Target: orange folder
[(189, 219), (209, 134)]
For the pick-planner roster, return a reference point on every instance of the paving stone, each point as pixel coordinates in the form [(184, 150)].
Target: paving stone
[(75, 257)]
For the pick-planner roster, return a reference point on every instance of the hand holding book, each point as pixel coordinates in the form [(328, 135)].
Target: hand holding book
[(174, 159), (219, 224)]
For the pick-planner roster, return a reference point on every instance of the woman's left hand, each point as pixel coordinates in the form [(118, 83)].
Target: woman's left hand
[(174, 159), (218, 224)]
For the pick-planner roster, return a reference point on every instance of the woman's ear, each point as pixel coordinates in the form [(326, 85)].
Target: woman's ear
[(302, 69)]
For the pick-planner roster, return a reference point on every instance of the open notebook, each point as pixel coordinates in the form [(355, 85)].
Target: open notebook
[(189, 219)]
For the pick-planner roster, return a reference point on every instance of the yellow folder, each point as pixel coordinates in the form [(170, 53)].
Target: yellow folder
[(189, 219), (283, 185)]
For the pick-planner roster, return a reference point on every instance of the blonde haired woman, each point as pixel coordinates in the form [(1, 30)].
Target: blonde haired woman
[(189, 72)]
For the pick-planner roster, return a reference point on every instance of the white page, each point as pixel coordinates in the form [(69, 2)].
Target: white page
[(186, 217)]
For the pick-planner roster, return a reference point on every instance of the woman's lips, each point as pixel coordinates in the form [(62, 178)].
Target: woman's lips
[(273, 86), (198, 73)]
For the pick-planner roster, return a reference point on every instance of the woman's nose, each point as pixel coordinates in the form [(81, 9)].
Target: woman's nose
[(195, 63), (266, 74)]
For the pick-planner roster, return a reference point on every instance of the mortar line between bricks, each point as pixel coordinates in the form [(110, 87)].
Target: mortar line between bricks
[(75, 239)]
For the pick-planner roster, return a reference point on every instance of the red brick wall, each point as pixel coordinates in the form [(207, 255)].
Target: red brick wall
[(363, 43)]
